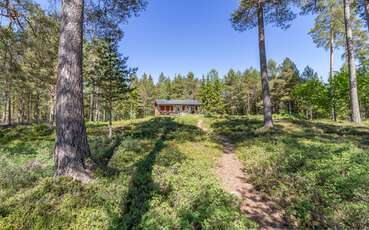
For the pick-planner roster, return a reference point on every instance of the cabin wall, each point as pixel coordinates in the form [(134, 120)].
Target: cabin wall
[(176, 109)]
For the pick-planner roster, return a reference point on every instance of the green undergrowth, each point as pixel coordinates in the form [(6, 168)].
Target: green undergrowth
[(317, 171), (155, 174)]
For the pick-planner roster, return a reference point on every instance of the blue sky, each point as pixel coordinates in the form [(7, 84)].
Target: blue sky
[(177, 36)]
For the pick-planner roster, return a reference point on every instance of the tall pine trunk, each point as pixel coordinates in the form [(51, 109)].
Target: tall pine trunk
[(37, 107), (52, 96), (268, 121), (366, 8), (331, 61), (71, 145), (9, 109), (355, 108), (91, 111), (21, 107), (29, 107), (97, 105), (3, 119), (110, 134)]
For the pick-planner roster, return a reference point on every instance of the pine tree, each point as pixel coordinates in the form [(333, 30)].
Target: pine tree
[(328, 28), (113, 76), (211, 93), (133, 101), (147, 94), (355, 108), (71, 145), (233, 92), (164, 87), (191, 86), (311, 95), (308, 73), (251, 14), (252, 92), (283, 85), (329, 33)]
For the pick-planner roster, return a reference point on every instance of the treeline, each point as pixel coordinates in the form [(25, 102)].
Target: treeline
[(294, 92), (28, 56), (113, 91)]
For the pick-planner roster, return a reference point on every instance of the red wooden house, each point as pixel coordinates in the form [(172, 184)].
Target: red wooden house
[(172, 107)]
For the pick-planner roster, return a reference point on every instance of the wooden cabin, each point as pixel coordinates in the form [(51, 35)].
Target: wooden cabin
[(174, 107)]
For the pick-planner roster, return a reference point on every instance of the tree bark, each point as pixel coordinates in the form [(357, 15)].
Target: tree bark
[(9, 110), (37, 107), (4, 111), (29, 109), (268, 120), (355, 108), (97, 105), (5, 115), (366, 8), (331, 61), (21, 107), (91, 111), (52, 95), (71, 145), (248, 105), (331, 52), (110, 135)]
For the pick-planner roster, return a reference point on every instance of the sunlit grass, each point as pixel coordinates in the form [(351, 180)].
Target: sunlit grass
[(317, 170), (156, 173), (159, 172)]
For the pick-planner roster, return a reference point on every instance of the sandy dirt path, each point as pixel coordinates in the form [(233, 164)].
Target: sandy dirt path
[(231, 174)]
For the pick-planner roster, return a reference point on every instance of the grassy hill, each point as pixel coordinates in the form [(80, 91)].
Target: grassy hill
[(157, 174)]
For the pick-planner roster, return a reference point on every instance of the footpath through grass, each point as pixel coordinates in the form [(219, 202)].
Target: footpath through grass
[(318, 171), (156, 174)]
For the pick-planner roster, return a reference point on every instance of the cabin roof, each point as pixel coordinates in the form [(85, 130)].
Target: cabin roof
[(177, 102)]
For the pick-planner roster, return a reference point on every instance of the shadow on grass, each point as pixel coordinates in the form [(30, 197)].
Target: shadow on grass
[(141, 188), (153, 135), (242, 129), (19, 139), (20, 149)]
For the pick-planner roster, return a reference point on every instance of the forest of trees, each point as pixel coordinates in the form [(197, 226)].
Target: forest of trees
[(29, 48), (294, 92), (63, 67)]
